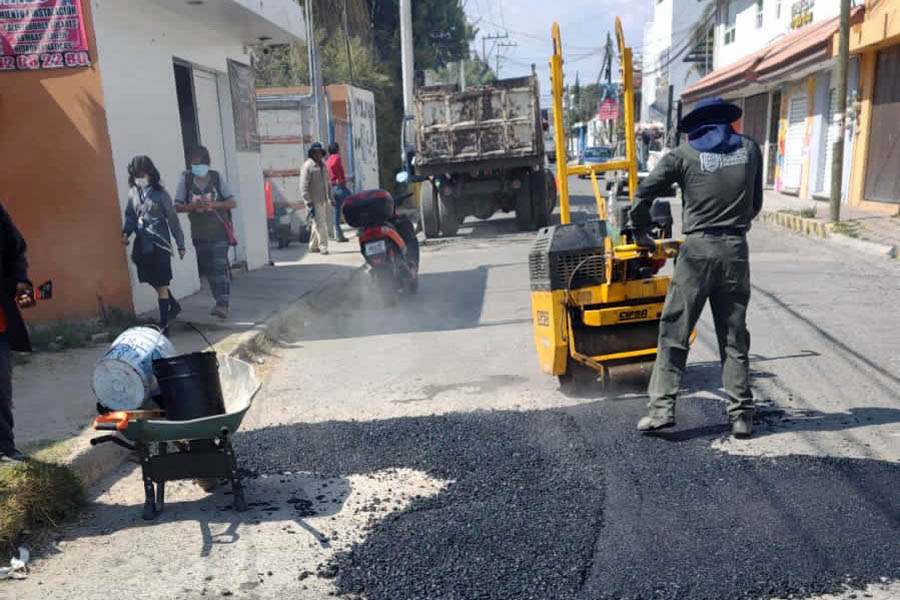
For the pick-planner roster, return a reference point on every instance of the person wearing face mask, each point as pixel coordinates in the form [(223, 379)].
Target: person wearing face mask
[(208, 200), (720, 175), (150, 217)]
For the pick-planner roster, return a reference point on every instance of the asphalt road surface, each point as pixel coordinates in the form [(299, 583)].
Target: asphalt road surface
[(418, 452)]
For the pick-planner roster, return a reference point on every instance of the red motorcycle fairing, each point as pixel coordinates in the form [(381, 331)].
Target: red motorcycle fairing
[(370, 234)]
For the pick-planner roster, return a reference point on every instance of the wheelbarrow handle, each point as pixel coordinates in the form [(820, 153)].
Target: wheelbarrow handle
[(112, 421), (116, 420)]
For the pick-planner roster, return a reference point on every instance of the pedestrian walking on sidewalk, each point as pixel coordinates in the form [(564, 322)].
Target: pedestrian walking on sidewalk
[(17, 293), (150, 217), (208, 200), (720, 175), (339, 190), (316, 193)]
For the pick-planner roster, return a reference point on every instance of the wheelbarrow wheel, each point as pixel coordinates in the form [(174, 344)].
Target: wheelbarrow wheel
[(240, 501), (160, 496)]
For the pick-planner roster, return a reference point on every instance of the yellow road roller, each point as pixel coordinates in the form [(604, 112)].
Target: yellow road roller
[(596, 296)]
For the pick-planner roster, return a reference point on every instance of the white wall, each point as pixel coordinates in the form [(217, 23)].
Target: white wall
[(365, 139), (137, 42), (670, 29), (750, 38)]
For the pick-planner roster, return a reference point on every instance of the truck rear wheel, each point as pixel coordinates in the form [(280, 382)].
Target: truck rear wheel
[(428, 210), (449, 220), (540, 200), (524, 206)]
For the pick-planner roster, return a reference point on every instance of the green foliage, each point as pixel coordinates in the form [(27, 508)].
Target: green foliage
[(808, 212), (36, 495), (478, 73), (441, 35)]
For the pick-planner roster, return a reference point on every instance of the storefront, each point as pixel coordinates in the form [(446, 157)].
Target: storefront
[(875, 179), (786, 91), (130, 77)]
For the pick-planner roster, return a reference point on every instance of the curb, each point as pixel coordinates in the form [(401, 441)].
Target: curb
[(93, 463), (816, 229), (808, 227)]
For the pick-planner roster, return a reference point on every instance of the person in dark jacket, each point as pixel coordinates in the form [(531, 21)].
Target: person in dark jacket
[(208, 199), (17, 293), (150, 217), (720, 175)]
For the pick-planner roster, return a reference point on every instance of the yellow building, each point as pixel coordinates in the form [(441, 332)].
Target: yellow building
[(875, 178)]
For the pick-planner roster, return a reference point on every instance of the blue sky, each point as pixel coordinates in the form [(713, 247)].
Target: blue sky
[(583, 26)]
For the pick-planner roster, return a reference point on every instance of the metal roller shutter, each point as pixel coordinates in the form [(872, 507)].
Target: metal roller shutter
[(793, 143), (831, 135)]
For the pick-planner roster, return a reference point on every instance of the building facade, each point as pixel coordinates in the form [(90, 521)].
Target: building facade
[(672, 58), (875, 107), (777, 61), (159, 77)]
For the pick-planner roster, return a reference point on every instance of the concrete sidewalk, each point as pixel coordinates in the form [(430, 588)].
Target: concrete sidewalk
[(52, 391), (880, 231)]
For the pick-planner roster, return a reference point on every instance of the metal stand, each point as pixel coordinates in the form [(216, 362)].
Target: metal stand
[(197, 459)]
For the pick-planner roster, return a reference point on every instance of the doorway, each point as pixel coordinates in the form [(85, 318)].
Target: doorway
[(772, 141), (187, 107), (882, 177), (199, 109)]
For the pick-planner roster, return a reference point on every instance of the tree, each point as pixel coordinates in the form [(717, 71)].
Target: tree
[(478, 72), (441, 35)]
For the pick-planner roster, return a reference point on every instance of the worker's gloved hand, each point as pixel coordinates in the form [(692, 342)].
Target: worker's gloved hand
[(643, 238)]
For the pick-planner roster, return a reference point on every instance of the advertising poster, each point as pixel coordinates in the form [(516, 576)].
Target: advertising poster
[(42, 34)]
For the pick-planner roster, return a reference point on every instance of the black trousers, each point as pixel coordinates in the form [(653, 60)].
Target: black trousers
[(7, 442)]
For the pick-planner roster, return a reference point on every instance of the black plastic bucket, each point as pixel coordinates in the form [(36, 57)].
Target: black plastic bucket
[(189, 386)]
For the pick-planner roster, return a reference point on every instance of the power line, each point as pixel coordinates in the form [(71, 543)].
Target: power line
[(499, 52)]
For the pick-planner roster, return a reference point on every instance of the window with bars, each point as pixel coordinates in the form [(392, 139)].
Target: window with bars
[(759, 13)]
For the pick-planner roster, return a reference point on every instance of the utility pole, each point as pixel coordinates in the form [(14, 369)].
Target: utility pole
[(462, 75), (493, 38), (347, 42), (350, 103), (406, 54), (497, 56), (837, 160), (315, 74)]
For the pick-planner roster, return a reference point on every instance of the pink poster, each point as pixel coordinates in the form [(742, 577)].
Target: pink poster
[(42, 34)]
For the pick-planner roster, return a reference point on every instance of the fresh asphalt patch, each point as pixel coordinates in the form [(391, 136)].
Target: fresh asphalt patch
[(573, 503)]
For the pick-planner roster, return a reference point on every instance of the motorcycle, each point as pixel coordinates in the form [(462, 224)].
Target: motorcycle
[(290, 225), (387, 241)]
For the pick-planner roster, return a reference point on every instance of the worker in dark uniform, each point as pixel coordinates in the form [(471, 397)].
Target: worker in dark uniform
[(720, 175)]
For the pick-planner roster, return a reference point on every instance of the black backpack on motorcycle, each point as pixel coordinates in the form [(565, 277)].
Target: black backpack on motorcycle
[(368, 208)]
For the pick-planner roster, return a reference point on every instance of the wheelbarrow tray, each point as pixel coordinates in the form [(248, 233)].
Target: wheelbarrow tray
[(239, 387)]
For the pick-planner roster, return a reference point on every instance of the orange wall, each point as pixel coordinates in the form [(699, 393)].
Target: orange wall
[(59, 188)]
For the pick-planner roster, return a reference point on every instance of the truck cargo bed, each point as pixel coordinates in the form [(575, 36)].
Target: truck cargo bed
[(459, 130)]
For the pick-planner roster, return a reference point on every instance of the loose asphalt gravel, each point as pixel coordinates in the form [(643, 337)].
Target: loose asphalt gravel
[(418, 453), (571, 503)]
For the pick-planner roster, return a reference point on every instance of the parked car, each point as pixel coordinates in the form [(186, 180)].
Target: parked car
[(594, 154)]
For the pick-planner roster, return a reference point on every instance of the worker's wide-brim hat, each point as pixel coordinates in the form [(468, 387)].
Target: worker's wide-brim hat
[(710, 111)]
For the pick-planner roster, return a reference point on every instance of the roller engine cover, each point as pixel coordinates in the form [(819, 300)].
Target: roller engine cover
[(568, 256)]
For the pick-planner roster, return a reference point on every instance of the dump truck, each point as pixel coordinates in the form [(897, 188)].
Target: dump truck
[(482, 150)]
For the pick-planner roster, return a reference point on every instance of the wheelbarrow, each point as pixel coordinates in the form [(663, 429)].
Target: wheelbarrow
[(200, 448)]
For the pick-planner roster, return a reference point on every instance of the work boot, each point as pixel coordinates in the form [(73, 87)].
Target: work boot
[(742, 426), (16, 457), (651, 423)]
